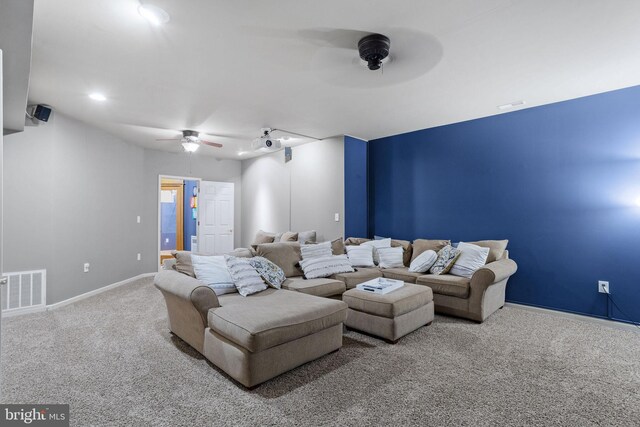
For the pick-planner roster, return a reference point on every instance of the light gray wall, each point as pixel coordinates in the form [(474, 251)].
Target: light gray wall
[(72, 194), (208, 168), (303, 194)]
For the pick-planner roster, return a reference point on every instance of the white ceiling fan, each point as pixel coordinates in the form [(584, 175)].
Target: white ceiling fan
[(191, 141)]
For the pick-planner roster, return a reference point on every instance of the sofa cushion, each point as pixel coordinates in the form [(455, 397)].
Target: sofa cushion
[(241, 253), (401, 273), (263, 237), (317, 267), (323, 287), (284, 255), (289, 236), (337, 246), (361, 275), (446, 284), (307, 236), (183, 262), (496, 248), (401, 301), (356, 241), (421, 245), (273, 317)]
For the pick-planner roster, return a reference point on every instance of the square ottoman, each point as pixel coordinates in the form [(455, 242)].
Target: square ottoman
[(390, 316)]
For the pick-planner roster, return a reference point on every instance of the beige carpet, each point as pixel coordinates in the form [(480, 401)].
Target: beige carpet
[(112, 358)]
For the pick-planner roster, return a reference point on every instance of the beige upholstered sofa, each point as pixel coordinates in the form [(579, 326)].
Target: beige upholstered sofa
[(475, 299), (252, 338)]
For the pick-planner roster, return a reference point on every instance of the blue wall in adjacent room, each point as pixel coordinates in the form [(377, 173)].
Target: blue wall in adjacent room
[(190, 223), (355, 192), (561, 182)]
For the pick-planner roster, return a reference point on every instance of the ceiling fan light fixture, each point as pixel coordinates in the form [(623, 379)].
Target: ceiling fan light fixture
[(373, 49), (190, 146), (153, 14)]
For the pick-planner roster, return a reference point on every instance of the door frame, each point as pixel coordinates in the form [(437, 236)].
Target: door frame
[(159, 207)]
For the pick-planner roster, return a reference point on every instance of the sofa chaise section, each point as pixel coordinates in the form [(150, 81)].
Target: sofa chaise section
[(252, 338), (258, 337)]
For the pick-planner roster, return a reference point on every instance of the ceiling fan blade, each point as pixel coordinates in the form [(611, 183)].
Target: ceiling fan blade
[(211, 144), (168, 139)]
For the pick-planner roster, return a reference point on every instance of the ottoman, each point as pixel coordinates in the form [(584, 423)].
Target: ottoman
[(390, 316)]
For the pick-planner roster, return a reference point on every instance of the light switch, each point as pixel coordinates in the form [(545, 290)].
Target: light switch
[(138, 219), (336, 217)]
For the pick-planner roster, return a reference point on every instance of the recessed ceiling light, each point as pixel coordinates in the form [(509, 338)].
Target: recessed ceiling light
[(511, 105), (153, 14), (97, 97)]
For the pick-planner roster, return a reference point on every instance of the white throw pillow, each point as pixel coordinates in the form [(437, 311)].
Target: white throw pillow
[(472, 257), (390, 257), (213, 272), (360, 256), (316, 250), (245, 277), (376, 244), (315, 268), (423, 262)]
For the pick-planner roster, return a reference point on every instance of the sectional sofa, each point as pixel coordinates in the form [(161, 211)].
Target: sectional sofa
[(258, 337)]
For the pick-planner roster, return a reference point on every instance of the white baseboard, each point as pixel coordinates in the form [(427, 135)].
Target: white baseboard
[(96, 291), (603, 322)]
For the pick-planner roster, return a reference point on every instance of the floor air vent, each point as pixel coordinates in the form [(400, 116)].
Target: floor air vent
[(25, 291)]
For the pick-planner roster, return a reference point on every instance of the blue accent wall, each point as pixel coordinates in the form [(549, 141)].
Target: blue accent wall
[(190, 224), (356, 201), (560, 181)]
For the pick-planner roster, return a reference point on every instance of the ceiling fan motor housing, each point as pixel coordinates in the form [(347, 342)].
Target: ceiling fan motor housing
[(373, 49)]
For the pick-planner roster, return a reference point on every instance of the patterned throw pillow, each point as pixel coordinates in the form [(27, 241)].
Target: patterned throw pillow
[(245, 277), (271, 273), (390, 257), (315, 268), (423, 262), (360, 256), (447, 256), (315, 250)]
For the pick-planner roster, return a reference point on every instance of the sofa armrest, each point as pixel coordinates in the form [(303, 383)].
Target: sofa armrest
[(493, 272), (187, 289)]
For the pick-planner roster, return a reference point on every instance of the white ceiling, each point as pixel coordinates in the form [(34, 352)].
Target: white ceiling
[(232, 67)]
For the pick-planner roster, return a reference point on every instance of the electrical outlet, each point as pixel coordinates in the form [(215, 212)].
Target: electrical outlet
[(139, 257), (86, 267), (603, 287)]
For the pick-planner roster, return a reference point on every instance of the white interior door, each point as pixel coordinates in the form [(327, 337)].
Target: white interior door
[(215, 217)]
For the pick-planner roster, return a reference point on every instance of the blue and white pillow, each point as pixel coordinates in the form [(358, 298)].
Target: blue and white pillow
[(245, 277), (270, 272), (213, 272), (315, 268)]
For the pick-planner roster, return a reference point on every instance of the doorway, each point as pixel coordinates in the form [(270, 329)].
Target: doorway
[(178, 215), (194, 215)]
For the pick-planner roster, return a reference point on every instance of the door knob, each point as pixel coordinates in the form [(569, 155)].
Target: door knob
[(4, 281)]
